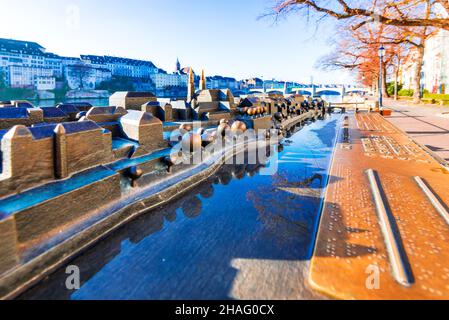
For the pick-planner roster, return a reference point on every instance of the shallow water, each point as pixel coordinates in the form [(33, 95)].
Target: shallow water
[(52, 103), (240, 235)]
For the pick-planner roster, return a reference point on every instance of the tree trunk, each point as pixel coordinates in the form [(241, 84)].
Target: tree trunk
[(396, 78), (396, 85), (384, 80), (416, 80)]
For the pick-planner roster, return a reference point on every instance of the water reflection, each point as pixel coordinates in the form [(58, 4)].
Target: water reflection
[(51, 103), (332, 98), (185, 250)]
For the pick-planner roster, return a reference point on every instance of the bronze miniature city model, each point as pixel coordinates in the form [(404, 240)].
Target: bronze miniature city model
[(68, 173)]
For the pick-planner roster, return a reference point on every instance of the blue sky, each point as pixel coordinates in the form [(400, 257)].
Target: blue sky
[(223, 37)]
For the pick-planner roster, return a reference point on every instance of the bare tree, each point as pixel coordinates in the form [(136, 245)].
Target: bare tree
[(3, 83), (399, 13), (81, 72), (401, 24)]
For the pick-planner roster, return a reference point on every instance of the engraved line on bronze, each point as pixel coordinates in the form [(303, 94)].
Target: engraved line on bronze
[(397, 262), (433, 198)]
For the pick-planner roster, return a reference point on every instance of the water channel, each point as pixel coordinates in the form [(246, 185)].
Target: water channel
[(240, 235)]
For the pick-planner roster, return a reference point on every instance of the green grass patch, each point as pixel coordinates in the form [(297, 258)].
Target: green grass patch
[(406, 93), (436, 96)]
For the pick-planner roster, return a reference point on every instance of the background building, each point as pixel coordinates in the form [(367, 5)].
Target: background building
[(436, 67), (26, 77), (219, 82), (252, 83), (83, 76), (45, 83), (407, 69), (23, 61), (163, 79), (25, 64), (122, 67)]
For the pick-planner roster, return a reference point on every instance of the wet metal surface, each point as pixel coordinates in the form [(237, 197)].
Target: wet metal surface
[(32, 197), (241, 235)]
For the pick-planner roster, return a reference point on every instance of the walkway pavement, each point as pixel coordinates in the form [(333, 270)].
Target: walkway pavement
[(384, 226), (426, 124)]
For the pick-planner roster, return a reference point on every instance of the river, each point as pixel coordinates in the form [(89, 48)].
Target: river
[(52, 103), (105, 102)]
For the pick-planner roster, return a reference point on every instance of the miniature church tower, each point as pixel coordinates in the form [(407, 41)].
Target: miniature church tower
[(202, 81), (178, 66), (191, 86), (61, 169)]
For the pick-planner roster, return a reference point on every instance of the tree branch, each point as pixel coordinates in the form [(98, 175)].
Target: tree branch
[(348, 12)]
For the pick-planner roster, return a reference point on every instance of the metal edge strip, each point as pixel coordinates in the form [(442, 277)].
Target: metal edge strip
[(394, 253), (433, 198)]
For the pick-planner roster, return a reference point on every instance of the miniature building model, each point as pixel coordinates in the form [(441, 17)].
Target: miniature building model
[(202, 81), (29, 154), (27, 159), (143, 128), (105, 114), (59, 164), (10, 117), (181, 110), (191, 86), (131, 100), (54, 115), (212, 104), (63, 167), (54, 173), (71, 110), (159, 109)]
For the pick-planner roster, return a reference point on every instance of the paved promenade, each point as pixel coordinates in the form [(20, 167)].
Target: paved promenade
[(384, 227), (426, 124)]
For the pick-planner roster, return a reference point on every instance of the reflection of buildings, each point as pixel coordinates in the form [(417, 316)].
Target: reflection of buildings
[(295, 204), (156, 257)]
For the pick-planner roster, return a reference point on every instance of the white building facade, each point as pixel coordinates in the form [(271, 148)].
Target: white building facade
[(122, 67), (26, 77), (45, 83), (219, 82), (436, 66), (163, 80), (407, 70), (27, 60)]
